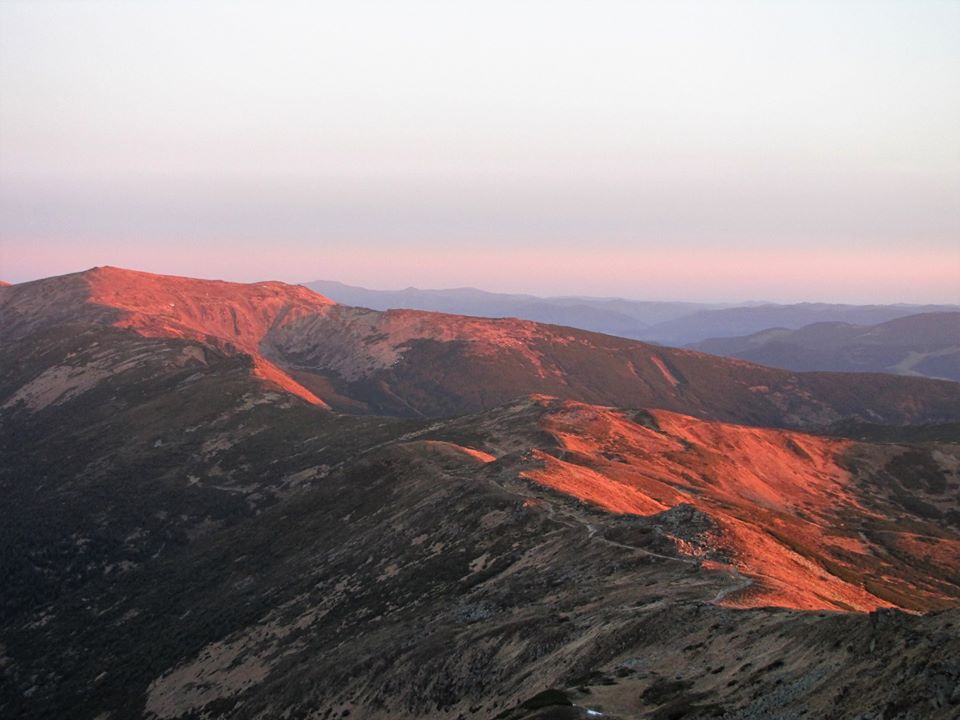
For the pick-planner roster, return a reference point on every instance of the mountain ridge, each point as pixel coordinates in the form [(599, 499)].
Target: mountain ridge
[(665, 322), (407, 362)]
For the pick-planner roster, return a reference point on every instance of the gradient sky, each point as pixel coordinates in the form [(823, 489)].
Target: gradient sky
[(707, 150)]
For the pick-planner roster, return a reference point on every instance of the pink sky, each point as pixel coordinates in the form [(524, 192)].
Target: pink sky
[(696, 149), (716, 274)]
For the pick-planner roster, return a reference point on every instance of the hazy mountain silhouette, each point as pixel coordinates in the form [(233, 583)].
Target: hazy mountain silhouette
[(923, 345), (669, 323)]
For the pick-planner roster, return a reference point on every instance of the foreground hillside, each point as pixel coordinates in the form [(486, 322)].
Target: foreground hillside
[(452, 569), (189, 530), (925, 345)]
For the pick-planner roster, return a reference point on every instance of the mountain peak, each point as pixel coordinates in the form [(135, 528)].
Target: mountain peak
[(168, 305), (110, 273), (226, 314)]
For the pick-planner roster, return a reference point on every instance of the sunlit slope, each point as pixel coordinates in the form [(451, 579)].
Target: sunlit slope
[(813, 522)]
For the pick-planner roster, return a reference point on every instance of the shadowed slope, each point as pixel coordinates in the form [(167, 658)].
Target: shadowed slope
[(266, 559), (407, 362)]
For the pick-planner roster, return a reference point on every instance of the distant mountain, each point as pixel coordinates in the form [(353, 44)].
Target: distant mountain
[(927, 345), (738, 321), (613, 316), (667, 323)]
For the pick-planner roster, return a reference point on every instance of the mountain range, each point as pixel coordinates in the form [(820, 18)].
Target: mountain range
[(926, 345), (224, 500), (667, 323)]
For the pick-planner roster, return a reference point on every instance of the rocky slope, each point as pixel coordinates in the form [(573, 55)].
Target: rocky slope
[(808, 522), (184, 537), (259, 566)]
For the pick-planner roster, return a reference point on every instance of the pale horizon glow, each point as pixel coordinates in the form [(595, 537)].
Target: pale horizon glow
[(714, 150)]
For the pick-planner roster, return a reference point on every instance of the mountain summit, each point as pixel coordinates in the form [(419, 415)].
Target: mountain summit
[(233, 316)]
